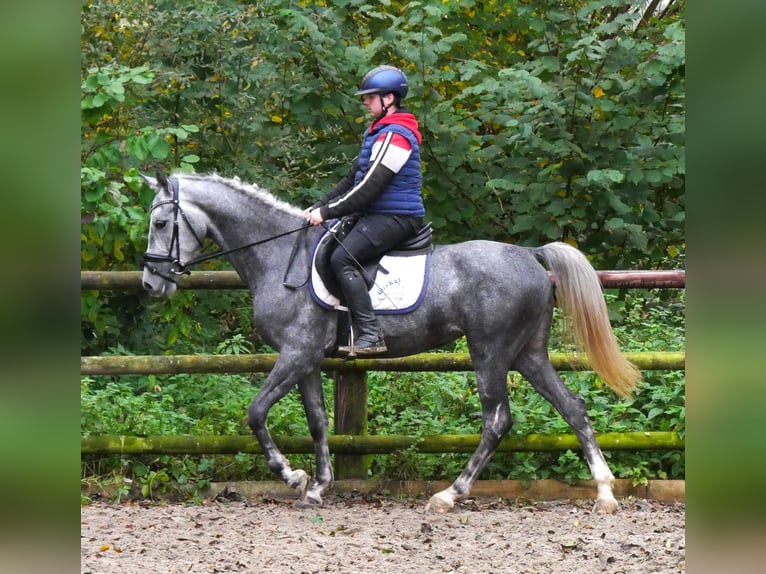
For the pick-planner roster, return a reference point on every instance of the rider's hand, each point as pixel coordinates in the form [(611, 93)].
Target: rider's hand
[(314, 216)]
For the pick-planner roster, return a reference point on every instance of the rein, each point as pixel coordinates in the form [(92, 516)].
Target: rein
[(179, 268), (252, 244)]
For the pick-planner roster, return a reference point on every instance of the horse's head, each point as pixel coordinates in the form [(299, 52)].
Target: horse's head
[(173, 238)]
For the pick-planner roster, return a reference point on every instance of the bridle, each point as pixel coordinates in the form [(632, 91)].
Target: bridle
[(174, 250)]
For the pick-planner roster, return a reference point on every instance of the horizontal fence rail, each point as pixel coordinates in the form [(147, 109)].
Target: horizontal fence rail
[(371, 444), (131, 280), (261, 363)]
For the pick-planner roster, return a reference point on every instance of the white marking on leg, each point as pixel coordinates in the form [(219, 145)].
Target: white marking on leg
[(496, 418), (299, 480), (605, 500), (314, 495)]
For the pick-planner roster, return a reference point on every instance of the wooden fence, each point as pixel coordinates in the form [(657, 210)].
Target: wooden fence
[(350, 442)]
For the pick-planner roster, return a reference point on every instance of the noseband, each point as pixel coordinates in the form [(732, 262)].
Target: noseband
[(174, 251)]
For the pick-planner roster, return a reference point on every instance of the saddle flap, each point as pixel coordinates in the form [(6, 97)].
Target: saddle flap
[(396, 280), (421, 242)]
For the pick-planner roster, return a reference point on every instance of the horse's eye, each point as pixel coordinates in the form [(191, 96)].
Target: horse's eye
[(160, 224)]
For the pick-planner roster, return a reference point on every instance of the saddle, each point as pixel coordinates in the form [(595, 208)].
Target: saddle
[(405, 260)]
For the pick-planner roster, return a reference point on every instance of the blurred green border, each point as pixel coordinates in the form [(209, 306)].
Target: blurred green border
[(726, 391), (39, 373)]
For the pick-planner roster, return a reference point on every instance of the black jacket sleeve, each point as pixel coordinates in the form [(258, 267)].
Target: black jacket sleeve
[(359, 196), (339, 188)]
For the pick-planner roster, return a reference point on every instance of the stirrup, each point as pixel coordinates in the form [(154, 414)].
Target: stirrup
[(362, 351), (377, 348), (353, 350)]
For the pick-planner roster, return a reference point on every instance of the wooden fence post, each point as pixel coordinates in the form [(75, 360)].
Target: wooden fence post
[(350, 395)]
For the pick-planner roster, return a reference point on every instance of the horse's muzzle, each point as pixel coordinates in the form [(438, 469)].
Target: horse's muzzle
[(157, 282)]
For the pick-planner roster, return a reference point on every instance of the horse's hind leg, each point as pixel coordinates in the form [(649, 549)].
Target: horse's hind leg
[(537, 369), (316, 414), (496, 422)]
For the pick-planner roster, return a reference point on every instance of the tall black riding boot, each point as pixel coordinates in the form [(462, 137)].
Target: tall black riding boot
[(368, 338)]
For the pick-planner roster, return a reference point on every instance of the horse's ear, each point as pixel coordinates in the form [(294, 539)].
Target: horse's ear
[(162, 179), (150, 181)]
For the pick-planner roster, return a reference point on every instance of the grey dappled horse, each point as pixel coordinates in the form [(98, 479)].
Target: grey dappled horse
[(498, 295)]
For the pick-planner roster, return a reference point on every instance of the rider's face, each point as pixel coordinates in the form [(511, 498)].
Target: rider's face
[(373, 103)]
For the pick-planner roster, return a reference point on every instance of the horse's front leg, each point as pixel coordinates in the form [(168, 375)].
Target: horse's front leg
[(284, 376), (316, 414)]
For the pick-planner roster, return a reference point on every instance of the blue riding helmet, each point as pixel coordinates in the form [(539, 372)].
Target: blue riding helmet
[(384, 80)]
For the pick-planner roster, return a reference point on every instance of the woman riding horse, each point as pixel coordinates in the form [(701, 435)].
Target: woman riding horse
[(383, 189)]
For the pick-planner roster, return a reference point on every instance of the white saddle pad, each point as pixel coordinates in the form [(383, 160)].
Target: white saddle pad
[(400, 290)]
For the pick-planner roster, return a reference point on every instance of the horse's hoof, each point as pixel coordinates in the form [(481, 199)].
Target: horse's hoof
[(314, 497), (310, 499), (606, 505), (440, 503), (306, 503), (298, 480)]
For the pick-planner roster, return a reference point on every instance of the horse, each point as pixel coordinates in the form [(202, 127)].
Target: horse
[(499, 296)]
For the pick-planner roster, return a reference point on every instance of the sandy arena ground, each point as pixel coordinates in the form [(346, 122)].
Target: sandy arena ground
[(371, 534)]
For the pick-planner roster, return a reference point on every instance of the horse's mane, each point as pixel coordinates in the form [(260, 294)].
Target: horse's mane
[(247, 188)]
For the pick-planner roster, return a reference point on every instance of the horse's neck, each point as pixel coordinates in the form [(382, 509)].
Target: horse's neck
[(237, 218)]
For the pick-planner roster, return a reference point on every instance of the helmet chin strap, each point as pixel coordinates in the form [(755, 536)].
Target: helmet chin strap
[(383, 106)]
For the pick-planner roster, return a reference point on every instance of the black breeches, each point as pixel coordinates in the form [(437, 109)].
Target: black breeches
[(372, 236)]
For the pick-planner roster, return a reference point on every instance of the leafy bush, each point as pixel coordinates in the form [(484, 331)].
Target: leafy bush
[(210, 404)]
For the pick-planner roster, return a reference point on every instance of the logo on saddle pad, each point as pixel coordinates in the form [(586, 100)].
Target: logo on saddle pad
[(397, 280)]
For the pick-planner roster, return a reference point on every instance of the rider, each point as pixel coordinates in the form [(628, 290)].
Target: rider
[(383, 188)]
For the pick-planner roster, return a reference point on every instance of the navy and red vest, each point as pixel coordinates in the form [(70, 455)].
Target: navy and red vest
[(403, 194)]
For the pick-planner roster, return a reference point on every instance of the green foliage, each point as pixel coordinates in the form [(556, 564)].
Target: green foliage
[(117, 408), (146, 405)]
